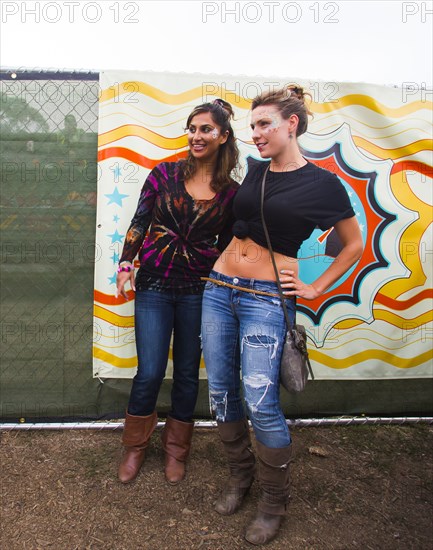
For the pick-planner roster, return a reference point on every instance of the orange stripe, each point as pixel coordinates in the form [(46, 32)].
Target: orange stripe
[(414, 166), (426, 294), (136, 158), (110, 300)]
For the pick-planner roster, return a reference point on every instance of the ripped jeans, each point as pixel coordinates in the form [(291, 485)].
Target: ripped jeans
[(244, 332)]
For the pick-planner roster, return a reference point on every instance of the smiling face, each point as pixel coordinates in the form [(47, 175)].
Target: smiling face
[(271, 131), (204, 137)]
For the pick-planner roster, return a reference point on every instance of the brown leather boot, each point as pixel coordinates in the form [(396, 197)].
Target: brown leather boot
[(274, 488), (237, 445), (136, 435), (176, 441)]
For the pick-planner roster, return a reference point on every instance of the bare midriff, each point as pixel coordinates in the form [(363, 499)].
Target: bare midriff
[(245, 258)]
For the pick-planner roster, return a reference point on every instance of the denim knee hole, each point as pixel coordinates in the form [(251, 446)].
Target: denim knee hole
[(261, 341), (257, 384), (218, 405)]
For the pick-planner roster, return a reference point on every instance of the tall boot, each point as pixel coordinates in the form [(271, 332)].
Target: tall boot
[(237, 445), (176, 440), (274, 493), (136, 435)]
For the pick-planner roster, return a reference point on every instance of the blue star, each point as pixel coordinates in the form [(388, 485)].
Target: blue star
[(112, 279), (116, 197), (116, 237), (116, 218)]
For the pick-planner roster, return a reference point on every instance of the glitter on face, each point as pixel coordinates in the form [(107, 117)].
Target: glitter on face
[(276, 121), (268, 121), (215, 133)]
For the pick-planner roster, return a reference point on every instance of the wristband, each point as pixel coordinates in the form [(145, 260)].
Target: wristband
[(126, 268)]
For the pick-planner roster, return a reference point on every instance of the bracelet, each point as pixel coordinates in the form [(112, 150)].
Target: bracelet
[(126, 268)]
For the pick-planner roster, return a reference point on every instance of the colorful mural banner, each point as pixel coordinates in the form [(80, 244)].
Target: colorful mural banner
[(377, 321)]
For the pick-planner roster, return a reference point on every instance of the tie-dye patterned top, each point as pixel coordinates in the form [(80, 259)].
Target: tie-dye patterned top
[(177, 238)]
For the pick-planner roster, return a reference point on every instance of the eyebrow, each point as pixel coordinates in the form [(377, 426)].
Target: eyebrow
[(264, 118), (202, 126)]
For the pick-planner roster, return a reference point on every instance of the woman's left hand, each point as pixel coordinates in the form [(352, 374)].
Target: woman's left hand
[(292, 286)]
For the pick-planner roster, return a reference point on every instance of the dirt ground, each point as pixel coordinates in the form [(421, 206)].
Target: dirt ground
[(372, 490)]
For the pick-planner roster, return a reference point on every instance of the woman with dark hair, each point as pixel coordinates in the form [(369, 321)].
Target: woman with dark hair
[(182, 223), (243, 324)]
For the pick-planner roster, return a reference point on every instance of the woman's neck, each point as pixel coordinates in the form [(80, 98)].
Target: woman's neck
[(204, 170), (287, 161)]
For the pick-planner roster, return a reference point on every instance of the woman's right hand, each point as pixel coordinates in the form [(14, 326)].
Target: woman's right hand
[(122, 278)]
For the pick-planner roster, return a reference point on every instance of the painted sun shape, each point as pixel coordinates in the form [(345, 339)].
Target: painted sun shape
[(377, 210)]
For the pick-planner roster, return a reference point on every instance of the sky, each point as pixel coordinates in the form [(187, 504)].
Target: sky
[(381, 42)]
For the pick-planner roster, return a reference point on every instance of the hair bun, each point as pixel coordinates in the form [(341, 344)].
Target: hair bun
[(225, 106), (296, 91)]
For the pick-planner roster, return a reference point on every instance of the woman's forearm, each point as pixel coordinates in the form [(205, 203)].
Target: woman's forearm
[(342, 263)]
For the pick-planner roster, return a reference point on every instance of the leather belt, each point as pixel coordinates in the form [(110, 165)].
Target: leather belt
[(243, 289)]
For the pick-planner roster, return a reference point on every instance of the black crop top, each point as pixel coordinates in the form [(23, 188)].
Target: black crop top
[(295, 203)]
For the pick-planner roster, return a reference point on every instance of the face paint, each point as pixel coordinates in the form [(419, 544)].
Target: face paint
[(204, 137), (276, 121), (214, 132), (270, 132), (268, 121)]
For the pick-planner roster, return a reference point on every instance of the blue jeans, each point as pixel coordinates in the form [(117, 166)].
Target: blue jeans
[(244, 333), (157, 315)]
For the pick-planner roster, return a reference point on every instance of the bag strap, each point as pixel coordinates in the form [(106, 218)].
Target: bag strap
[(290, 325)]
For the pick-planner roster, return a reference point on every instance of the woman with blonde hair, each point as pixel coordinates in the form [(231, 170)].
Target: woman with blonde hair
[(243, 324)]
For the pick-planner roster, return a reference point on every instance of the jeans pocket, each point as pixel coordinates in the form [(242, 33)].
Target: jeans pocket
[(269, 300), (210, 285)]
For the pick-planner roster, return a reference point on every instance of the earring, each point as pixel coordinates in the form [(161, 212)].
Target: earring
[(290, 136)]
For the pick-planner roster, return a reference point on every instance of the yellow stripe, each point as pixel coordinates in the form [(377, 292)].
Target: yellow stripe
[(119, 362), (370, 355), (363, 123), (135, 130), (147, 113), (410, 240), (113, 318), (348, 324), (179, 142), (370, 103), (398, 152), (134, 87), (389, 317), (329, 129), (401, 322), (315, 355)]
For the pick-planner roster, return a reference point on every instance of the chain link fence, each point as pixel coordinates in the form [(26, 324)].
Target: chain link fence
[(49, 173), (48, 149)]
